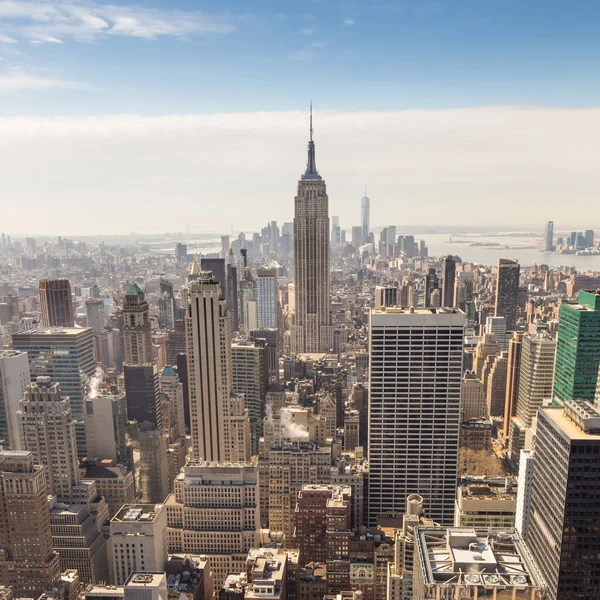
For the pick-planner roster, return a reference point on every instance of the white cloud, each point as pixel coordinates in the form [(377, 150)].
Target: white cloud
[(306, 31), (302, 55), (491, 165), (348, 22), (50, 40), (18, 80), (85, 20), (4, 39), (319, 44)]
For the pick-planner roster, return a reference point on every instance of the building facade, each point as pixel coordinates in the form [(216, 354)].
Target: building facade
[(56, 304)]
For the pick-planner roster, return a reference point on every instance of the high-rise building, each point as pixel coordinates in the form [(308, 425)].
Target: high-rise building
[(95, 314), (170, 384), (76, 510), (14, 379), (549, 236), (218, 268), (365, 217), (431, 285), (136, 327), (563, 530), (166, 306), (65, 355), (473, 397), (512, 380), (312, 331), (448, 281), (463, 290), (214, 412), (589, 238), (497, 326), (266, 297), (142, 393), (48, 430), (56, 303), (414, 412), (535, 385), (250, 378), (153, 465), (386, 296), (272, 339), (507, 291), (105, 427), (496, 386), (215, 511), (578, 348), (138, 539), (114, 482), (29, 563)]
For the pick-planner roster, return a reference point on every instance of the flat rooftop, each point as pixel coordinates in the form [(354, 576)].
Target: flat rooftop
[(417, 310), (138, 513), (465, 556), (49, 331), (146, 579), (557, 415)]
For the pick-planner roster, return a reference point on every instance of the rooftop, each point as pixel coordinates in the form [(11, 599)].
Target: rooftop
[(144, 513), (465, 556), (570, 419), (145, 579), (134, 290)]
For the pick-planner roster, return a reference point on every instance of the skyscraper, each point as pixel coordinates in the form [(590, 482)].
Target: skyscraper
[(365, 217), (512, 380), (14, 379), (95, 314), (137, 334), (266, 298), (55, 303), (312, 331), (29, 563), (213, 410), (415, 388), (507, 291), (578, 348), (66, 355), (449, 277), (563, 533), (549, 236), (142, 393)]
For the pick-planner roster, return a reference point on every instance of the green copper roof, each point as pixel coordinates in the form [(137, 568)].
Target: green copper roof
[(168, 371), (134, 290)]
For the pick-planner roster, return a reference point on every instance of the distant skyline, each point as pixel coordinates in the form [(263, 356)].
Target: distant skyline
[(455, 112)]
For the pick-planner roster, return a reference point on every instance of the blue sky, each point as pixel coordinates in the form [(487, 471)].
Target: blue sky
[(150, 58)]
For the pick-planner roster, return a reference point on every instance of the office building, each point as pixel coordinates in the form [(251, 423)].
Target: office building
[(563, 533), (14, 379), (512, 380), (214, 511), (386, 296), (535, 386), (507, 291), (106, 427), (94, 308), (448, 281), (473, 397), (137, 333), (486, 348), (486, 503), (56, 304), (463, 562), (66, 355), (142, 393), (312, 331), (48, 431), (589, 238), (250, 378), (549, 237), (524, 486), (267, 301), (114, 482), (146, 585), (578, 348), (153, 465), (167, 308), (497, 326), (170, 385), (365, 217), (215, 413), (496, 387), (29, 563), (138, 536), (218, 268), (414, 408), (181, 252), (463, 289), (272, 342)]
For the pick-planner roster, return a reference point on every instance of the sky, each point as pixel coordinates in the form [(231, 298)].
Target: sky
[(158, 115)]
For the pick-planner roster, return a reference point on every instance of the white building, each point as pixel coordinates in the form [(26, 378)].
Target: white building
[(14, 379), (524, 484), (138, 535), (415, 389)]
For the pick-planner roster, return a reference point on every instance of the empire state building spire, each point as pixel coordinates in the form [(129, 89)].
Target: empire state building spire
[(311, 165)]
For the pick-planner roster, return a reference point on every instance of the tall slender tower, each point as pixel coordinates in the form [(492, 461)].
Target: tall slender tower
[(449, 277), (219, 421), (136, 327), (507, 291), (365, 217), (55, 303), (312, 331)]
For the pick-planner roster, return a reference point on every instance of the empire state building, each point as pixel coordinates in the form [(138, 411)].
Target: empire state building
[(312, 331)]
